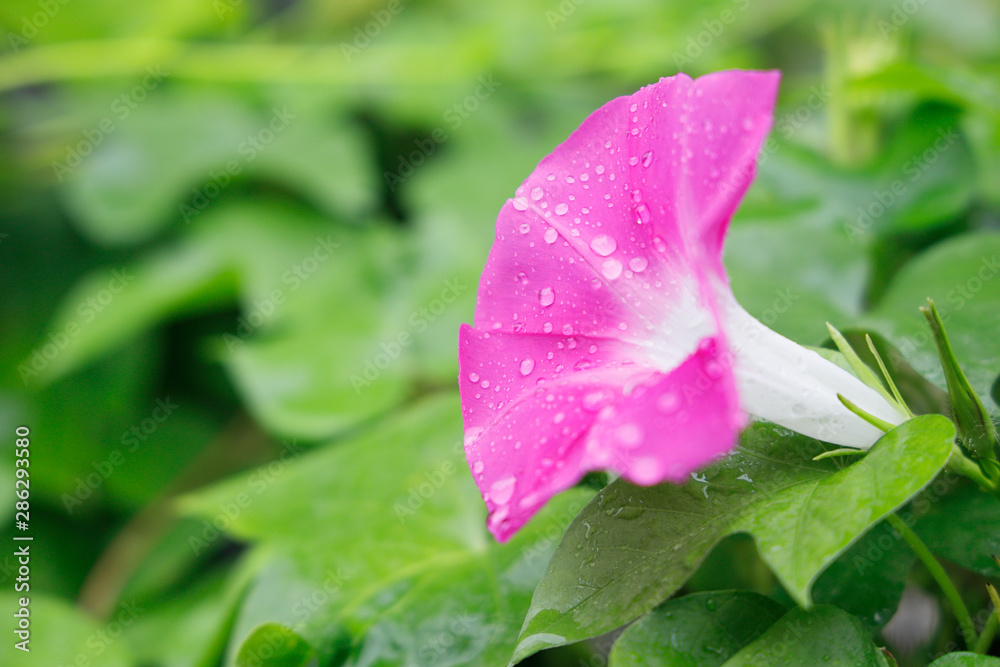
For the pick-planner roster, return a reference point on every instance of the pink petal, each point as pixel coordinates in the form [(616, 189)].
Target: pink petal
[(614, 242), (526, 444)]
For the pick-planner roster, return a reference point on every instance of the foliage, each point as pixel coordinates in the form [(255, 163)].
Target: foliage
[(238, 238)]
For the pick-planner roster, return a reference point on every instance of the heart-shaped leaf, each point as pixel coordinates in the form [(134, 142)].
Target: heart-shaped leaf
[(632, 547), (700, 630)]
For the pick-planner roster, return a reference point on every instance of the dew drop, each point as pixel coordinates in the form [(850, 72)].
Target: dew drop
[(546, 296), (525, 228), (645, 470), (611, 268), (599, 169), (668, 403), (638, 264), (547, 327), (501, 490), (477, 467), (520, 204), (485, 384), (594, 401), (562, 208), (642, 214), (527, 365), (603, 245), (473, 377), (536, 193), (551, 235), (647, 158), (629, 436)]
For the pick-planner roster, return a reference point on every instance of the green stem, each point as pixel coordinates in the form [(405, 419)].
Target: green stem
[(941, 577), (963, 465), (988, 633)]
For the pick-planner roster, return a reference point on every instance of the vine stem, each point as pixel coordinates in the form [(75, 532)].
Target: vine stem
[(987, 635), (941, 577)]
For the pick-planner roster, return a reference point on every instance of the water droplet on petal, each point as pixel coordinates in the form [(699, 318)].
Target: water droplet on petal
[(599, 169), (642, 214), (520, 204), (501, 490), (647, 158), (477, 467), (537, 193), (473, 377), (485, 384), (551, 235), (561, 208), (527, 365), (629, 436), (638, 264), (525, 228), (668, 403), (603, 245), (546, 296), (595, 400), (611, 268), (547, 327), (645, 470)]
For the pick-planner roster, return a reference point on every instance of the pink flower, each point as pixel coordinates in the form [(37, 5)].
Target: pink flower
[(606, 335)]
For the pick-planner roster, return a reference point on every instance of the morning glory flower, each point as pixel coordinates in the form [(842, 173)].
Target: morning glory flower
[(606, 334)]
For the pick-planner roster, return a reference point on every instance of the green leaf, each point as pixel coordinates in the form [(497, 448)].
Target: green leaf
[(274, 644), (962, 525), (823, 636), (61, 634), (401, 571), (700, 630), (868, 579), (325, 336), (632, 547), (963, 659), (960, 274), (180, 153)]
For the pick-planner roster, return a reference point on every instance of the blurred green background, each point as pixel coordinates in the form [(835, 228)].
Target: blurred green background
[(237, 239)]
